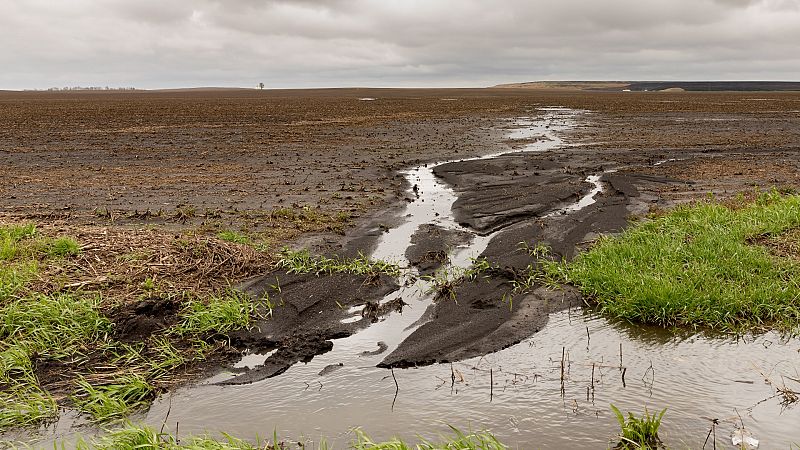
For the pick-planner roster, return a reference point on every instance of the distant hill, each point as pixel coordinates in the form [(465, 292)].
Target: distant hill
[(658, 85), (569, 85)]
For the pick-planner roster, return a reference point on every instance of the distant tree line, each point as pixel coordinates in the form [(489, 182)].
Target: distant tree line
[(90, 88)]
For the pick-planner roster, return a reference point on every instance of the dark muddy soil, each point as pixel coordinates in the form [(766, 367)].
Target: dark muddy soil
[(139, 320), (307, 313), (431, 245), (481, 321)]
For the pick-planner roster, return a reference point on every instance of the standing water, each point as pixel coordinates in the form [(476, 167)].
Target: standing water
[(531, 402)]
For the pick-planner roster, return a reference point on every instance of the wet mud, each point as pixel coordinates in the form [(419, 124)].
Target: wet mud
[(137, 321), (480, 322), (495, 193), (432, 245), (307, 312)]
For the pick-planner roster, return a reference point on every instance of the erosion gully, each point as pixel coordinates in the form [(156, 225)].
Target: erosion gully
[(518, 393)]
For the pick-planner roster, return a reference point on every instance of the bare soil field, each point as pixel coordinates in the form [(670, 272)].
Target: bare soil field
[(131, 156)]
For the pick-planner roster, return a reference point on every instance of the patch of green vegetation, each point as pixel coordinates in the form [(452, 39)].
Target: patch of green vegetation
[(115, 399), (148, 363), (45, 326), (64, 246), (54, 326), (445, 280), (23, 242), (459, 440), (639, 432), (699, 265), (233, 236), (146, 438), (220, 314), (24, 403), (10, 238), (302, 261), (540, 272), (14, 276), (48, 327), (59, 327)]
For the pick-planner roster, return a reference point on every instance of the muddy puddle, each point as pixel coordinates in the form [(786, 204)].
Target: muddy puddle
[(696, 378), (551, 390)]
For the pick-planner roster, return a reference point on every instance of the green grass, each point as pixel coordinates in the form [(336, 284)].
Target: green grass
[(145, 438), (56, 326), (48, 327), (23, 402), (44, 326), (696, 266), (302, 261), (444, 282), (639, 432), (458, 441), (65, 327), (115, 399), (63, 246), (24, 242), (14, 276), (220, 314), (233, 236), (15, 240), (12, 238)]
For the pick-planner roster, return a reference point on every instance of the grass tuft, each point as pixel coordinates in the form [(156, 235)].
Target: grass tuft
[(458, 441), (64, 246), (233, 236), (220, 314), (114, 400), (48, 327), (23, 402), (54, 326), (444, 282), (134, 437), (302, 261), (639, 432)]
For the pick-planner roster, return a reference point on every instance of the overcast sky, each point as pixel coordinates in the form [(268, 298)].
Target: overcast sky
[(318, 43)]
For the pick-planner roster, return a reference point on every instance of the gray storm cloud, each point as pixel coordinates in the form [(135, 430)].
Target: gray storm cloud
[(303, 43)]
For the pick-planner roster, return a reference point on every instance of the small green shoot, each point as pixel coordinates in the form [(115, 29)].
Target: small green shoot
[(639, 432), (303, 262)]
